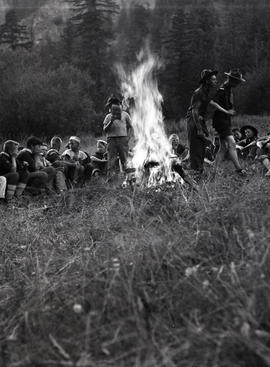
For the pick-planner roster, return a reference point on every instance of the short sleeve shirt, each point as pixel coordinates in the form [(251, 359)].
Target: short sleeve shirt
[(118, 128)]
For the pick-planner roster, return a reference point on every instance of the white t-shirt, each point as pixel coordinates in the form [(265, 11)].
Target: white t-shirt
[(78, 156)]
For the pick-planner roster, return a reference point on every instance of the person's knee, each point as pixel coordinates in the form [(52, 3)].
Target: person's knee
[(50, 171), (23, 177), (12, 178)]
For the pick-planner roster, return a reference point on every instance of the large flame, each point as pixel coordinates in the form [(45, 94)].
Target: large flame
[(152, 153)]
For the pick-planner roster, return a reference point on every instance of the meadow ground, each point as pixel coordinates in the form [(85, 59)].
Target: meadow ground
[(112, 277)]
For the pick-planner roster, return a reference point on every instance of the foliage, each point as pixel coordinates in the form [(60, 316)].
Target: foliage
[(13, 34), (39, 101), (92, 28)]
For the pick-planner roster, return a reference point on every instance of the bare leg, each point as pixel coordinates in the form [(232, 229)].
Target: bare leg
[(220, 154), (233, 152), (266, 163)]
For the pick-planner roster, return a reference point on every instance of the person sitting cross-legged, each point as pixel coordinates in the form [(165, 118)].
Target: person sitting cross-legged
[(54, 157), (15, 172), (39, 177), (78, 160), (248, 144), (179, 153), (263, 154), (99, 159)]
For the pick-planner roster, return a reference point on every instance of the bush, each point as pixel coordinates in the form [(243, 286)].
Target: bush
[(254, 95), (44, 102)]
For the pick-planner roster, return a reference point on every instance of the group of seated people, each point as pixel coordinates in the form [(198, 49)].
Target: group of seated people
[(250, 147), (39, 167)]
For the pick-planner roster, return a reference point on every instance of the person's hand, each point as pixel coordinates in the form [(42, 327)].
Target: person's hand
[(231, 112), (200, 133), (77, 164)]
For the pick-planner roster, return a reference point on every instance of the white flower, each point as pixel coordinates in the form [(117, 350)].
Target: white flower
[(77, 308)]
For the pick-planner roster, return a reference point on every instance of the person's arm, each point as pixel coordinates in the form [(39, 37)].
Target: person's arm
[(13, 167), (219, 108), (107, 122), (95, 159), (196, 117)]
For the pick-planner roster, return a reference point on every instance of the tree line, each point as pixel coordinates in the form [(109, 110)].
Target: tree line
[(64, 84)]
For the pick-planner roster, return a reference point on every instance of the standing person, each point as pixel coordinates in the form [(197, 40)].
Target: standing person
[(117, 126), (196, 124), (222, 121)]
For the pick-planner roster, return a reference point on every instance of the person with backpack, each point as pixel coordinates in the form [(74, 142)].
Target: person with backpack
[(118, 128)]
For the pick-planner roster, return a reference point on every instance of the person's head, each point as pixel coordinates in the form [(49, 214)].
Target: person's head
[(44, 149), (174, 140), (56, 143), (249, 131), (209, 77), (113, 100), (237, 133), (33, 143), (74, 143), (101, 146), (11, 147), (235, 78)]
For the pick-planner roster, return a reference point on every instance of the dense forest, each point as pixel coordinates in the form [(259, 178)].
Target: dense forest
[(55, 86)]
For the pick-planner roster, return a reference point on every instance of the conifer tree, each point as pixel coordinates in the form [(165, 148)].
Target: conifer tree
[(13, 34)]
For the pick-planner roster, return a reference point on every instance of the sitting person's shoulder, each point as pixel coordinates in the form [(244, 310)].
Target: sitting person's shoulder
[(24, 153)]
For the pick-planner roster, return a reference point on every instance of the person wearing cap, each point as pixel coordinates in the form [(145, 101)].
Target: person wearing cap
[(39, 177), (118, 128), (78, 161), (196, 118), (222, 121), (99, 159), (14, 172)]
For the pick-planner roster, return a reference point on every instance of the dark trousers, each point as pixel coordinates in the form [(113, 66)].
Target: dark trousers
[(197, 146), (117, 148)]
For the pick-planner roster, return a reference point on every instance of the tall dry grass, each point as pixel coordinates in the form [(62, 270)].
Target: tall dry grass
[(146, 278)]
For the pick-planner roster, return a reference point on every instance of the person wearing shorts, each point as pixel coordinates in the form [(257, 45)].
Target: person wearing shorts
[(222, 121)]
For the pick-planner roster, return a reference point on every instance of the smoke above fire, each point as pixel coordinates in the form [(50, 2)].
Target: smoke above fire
[(152, 155)]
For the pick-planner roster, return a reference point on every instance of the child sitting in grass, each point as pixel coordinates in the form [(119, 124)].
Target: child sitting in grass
[(179, 152), (99, 159), (263, 154)]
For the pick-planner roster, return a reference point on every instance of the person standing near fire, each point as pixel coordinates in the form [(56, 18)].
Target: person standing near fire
[(196, 118), (222, 121), (118, 129)]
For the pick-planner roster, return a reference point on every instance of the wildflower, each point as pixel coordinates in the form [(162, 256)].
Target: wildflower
[(116, 264), (205, 284), (77, 308), (191, 270)]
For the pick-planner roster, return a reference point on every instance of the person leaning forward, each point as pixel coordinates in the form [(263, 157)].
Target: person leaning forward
[(222, 121), (196, 118), (38, 177), (117, 126)]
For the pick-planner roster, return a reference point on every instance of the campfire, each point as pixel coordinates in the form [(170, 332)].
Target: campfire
[(152, 153)]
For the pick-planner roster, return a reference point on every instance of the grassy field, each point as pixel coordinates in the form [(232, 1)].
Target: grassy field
[(112, 277)]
